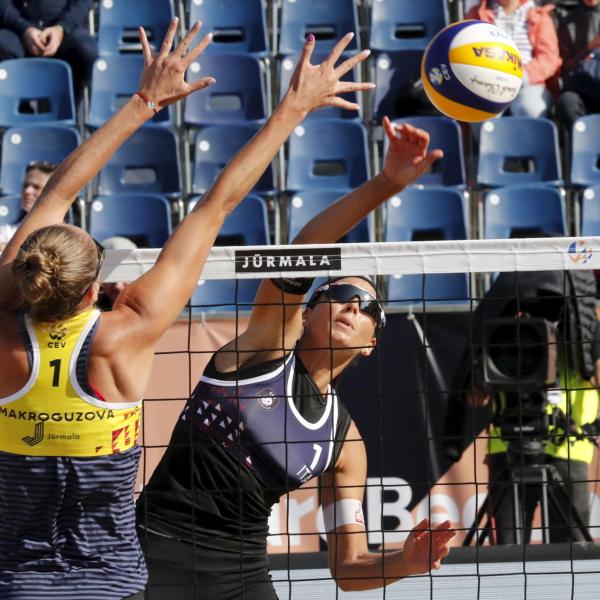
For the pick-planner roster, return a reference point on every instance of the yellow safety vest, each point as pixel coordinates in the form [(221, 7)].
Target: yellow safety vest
[(579, 401), (52, 415)]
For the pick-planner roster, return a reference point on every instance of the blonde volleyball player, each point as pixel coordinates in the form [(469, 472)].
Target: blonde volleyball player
[(264, 419), (71, 379)]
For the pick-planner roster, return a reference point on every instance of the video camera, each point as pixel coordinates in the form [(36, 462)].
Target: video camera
[(520, 328), (519, 362)]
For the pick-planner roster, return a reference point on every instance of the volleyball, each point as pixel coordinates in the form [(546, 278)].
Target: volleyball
[(471, 71)]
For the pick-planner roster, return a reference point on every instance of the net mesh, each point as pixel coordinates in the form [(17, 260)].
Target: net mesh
[(450, 376)]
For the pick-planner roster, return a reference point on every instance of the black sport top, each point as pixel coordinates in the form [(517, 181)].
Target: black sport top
[(243, 440)]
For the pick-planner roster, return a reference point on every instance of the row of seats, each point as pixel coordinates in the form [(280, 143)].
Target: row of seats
[(240, 27), (325, 154), (241, 92)]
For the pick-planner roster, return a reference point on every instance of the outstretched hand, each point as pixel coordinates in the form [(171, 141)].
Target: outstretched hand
[(407, 157), (314, 86), (425, 547), (163, 78)]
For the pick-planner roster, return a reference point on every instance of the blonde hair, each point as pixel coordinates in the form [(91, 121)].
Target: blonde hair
[(53, 269)]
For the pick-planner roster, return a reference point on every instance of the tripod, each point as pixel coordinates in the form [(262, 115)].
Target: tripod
[(537, 473)]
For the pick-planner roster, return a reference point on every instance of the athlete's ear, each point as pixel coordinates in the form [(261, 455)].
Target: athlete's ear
[(366, 350), (91, 296), (306, 315)]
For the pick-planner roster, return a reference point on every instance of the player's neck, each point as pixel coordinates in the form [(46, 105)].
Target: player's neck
[(324, 365)]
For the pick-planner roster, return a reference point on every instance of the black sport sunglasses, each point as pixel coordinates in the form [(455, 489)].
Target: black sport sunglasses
[(100, 250), (344, 293)]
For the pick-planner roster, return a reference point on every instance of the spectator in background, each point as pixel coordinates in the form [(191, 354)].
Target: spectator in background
[(49, 28), (36, 176), (532, 29), (109, 292), (579, 38)]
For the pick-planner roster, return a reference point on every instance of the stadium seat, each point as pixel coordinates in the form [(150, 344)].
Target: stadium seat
[(148, 162), (395, 76), (120, 19), (426, 214), (517, 150), (238, 27), (246, 225), (34, 91), (143, 218), (286, 69), (27, 144), (590, 211), (327, 154), (114, 80), (524, 211), (239, 93), (327, 20), (304, 205), (404, 24), (214, 147), (585, 153), (10, 210), (224, 295), (444, 134)]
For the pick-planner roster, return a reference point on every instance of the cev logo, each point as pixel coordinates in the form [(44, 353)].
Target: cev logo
[(435, 76), (580, 252)]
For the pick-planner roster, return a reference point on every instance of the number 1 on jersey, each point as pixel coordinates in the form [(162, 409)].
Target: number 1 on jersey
[(55, 364)]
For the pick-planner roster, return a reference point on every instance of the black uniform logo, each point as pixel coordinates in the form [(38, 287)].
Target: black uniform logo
[(38, 435), (57, 331)]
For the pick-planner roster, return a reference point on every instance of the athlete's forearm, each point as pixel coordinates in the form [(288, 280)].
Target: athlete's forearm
[(77, 170), (339, 218), (371, 570), (245, 169)]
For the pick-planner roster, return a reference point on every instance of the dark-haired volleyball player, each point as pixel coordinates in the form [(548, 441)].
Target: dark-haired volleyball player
[(71, 379), (264, 419)]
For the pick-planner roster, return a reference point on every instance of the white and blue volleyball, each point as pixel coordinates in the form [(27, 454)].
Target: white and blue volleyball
[(471, 71)]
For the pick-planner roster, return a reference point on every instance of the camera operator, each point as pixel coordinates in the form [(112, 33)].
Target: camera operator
[(552, 425)]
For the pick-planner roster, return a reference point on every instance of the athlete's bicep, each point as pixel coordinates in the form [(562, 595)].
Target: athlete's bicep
[(273, 330)]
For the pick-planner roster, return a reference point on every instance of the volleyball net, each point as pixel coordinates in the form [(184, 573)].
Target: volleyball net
[(488, 350)]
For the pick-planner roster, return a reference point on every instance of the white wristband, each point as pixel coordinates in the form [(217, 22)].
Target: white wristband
[(347, 511)]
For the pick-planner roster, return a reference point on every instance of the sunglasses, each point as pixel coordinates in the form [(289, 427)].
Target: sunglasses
[(345, 293), (100, 259)]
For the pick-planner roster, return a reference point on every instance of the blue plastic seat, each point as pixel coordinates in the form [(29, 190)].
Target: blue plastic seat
[(422, 214), (237, 27), (524, 211), (10, 209), (246, 225), (114, 80), (120, 19), (402, 24), (224, 295), (147, 162), (327, 154), (395, 74), (143, 218), (444, 134), (304, 205), (327, 20), (239, 93), (585, 153), (214, 147), (518, 150), (33, 143), (286, 69), (36, 90), (590, 211)]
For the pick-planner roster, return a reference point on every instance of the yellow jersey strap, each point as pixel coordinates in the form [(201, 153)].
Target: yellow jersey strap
[(53, 415)]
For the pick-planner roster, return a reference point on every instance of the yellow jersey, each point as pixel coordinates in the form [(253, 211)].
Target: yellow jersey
[(54, 414)]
